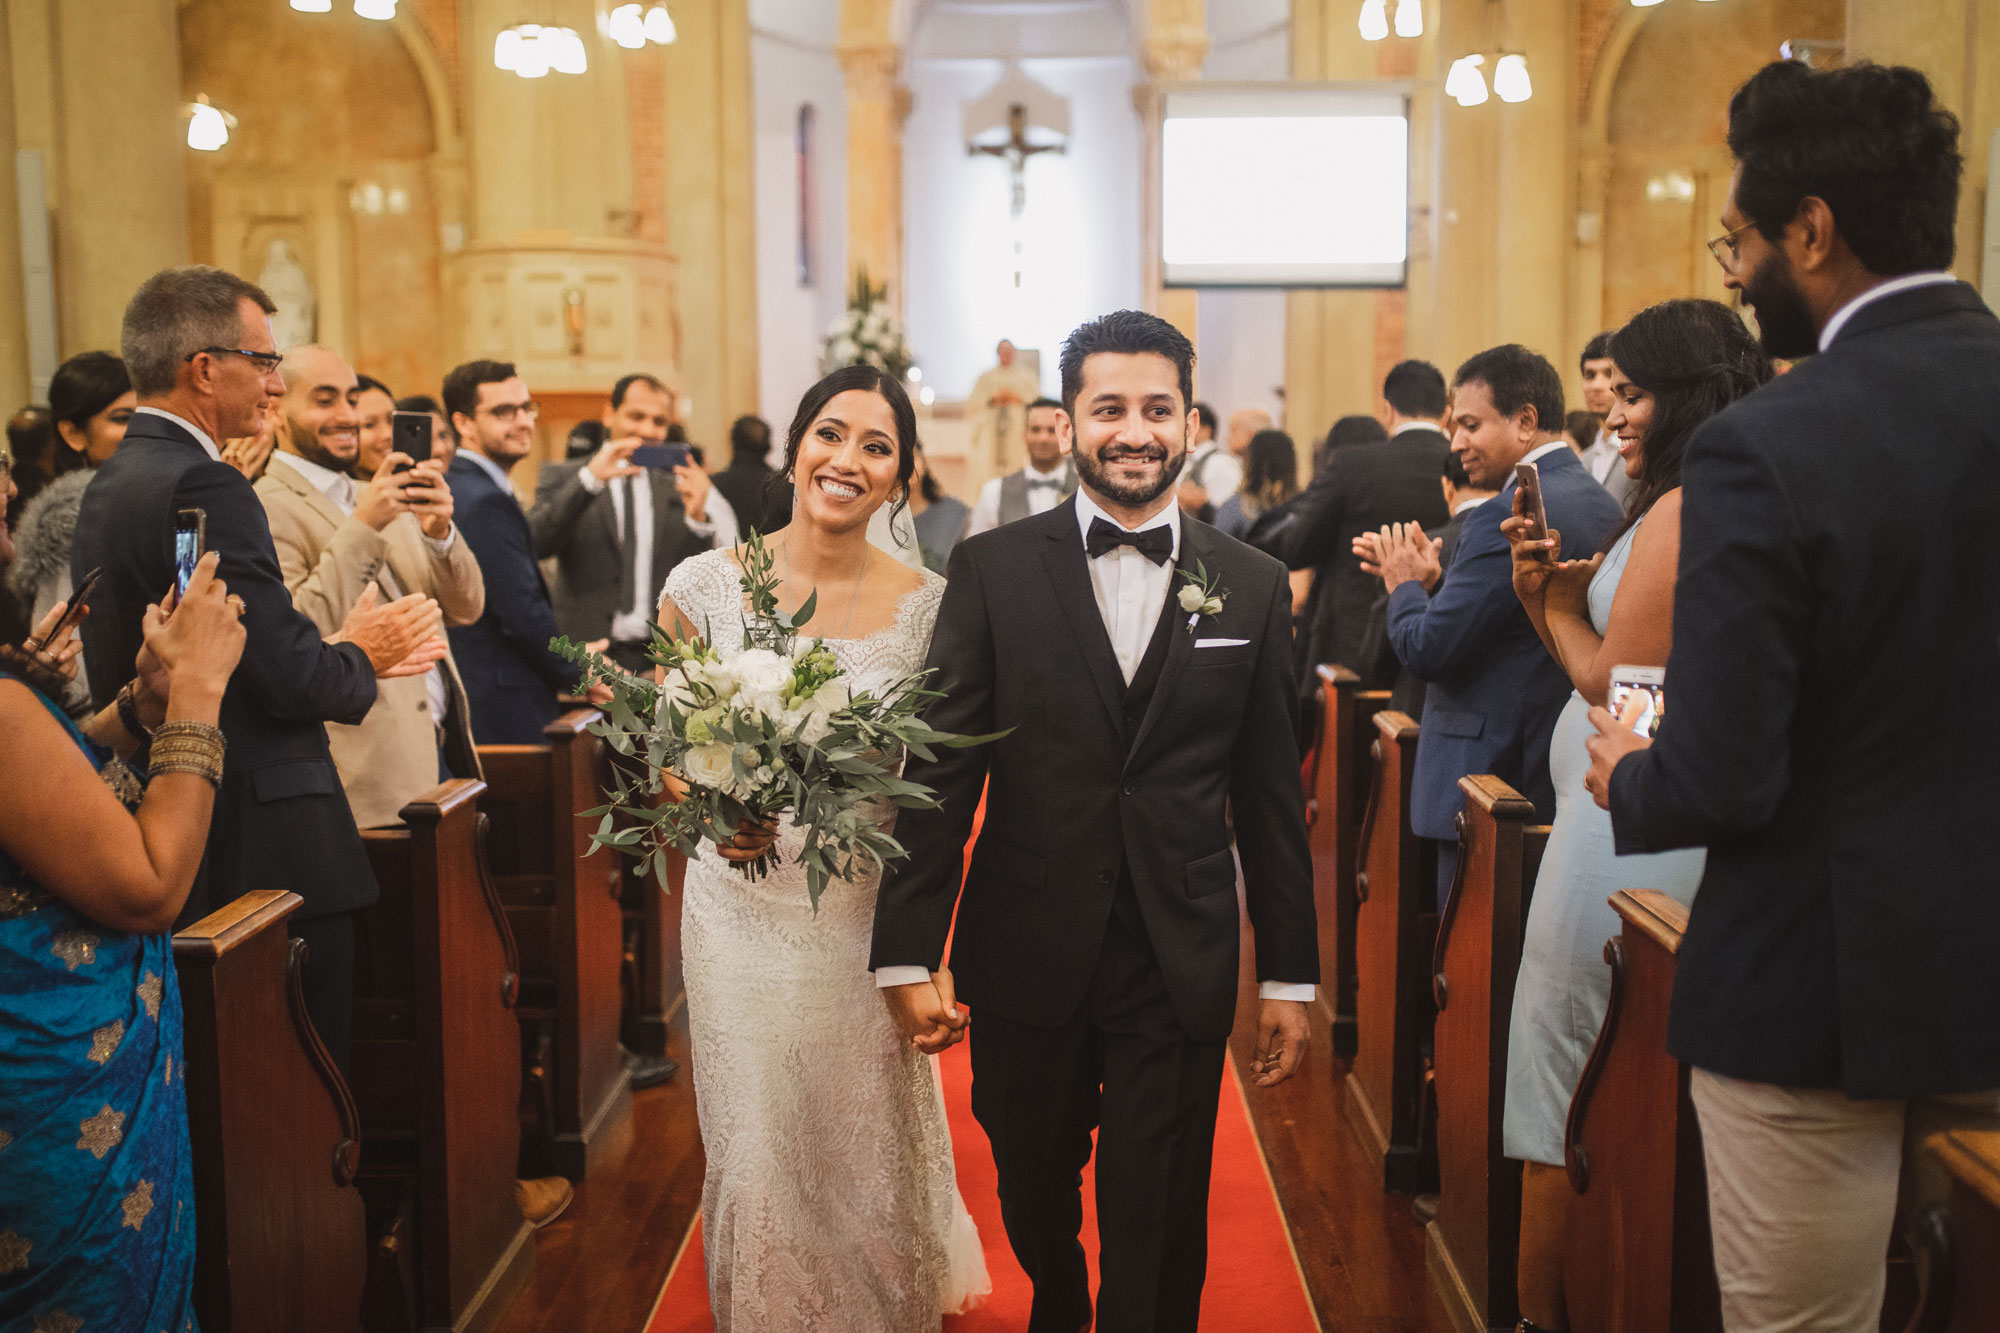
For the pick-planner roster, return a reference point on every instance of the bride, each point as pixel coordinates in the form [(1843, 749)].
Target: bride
[(830, 1201)]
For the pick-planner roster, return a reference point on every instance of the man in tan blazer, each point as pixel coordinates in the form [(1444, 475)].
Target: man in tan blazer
[(338, 538)]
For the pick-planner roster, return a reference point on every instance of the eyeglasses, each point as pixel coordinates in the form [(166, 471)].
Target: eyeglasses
[(1727, 242), (266, 362), (504, 412)]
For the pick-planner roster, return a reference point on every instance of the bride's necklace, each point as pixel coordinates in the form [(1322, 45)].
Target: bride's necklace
[(785, 554)]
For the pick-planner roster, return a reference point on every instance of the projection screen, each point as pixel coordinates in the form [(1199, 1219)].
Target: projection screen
[(1274, 185)]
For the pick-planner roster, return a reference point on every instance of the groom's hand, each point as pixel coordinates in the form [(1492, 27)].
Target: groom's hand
[(928, 1012), (1281, 1041)]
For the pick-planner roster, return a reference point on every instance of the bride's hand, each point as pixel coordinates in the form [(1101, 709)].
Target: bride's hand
[(927, 1012), (754, 837)]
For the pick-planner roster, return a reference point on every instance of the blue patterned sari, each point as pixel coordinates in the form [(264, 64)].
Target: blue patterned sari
[(96, 1183)]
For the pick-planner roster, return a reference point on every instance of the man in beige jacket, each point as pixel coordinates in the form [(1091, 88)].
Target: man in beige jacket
[(341, 541)]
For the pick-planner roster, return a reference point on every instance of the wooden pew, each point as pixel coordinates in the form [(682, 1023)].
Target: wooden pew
[(1334, 808), (1959, 1239), (436, 1063), (652, 967), (563, 906), (1473, 1241), (1391, 954), (1636, 1255), (280, 1237)]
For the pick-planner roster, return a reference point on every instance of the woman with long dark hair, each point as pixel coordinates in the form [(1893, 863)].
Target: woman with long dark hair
[(1270, 477), (830, 1201), (90, 400), (1679, 363)]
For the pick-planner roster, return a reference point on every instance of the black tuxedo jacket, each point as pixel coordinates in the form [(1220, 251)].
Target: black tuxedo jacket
[(1833, 734), (580, 531), (1078, 796), (1364, 486), (281, 819)]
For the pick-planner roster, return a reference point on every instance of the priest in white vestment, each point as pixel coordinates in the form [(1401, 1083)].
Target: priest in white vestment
[(997, 410)]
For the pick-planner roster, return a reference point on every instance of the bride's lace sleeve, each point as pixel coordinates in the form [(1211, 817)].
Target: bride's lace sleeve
[(708, 590), (918, 615)]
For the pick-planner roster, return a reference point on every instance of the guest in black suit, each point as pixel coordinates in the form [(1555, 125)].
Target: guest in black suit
[(197, 344), (512, 679), (1097, 938), (1834, 730), (750, 484), (615, 530), (1494, 692), (1361, 488)]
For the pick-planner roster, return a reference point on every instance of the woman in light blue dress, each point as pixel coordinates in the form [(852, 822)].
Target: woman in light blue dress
[(1679, 363)]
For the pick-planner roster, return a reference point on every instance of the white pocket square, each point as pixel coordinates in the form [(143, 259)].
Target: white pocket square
[(1220, 643)]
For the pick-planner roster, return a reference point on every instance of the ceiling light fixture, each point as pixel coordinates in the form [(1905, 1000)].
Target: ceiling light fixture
[(1409, 18), (531, 50), (1510, 79), (208, 126), (1465, 84), (313, 6), (1374, 20), (375, 9)]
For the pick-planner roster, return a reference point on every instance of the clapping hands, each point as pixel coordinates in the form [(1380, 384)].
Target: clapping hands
[(1401, 553)]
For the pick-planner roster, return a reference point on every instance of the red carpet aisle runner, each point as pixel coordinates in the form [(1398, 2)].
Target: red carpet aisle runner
[(1253, 1278)]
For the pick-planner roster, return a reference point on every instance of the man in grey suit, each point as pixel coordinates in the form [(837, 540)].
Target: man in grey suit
[(616, 530), (1044, 482)]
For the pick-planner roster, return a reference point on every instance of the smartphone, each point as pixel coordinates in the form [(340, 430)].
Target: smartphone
[(1529, 477), (412, 436), (190, 540), (1627, 681), (79, 602), (668, 456)]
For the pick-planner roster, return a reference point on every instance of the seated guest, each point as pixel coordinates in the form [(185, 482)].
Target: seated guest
[(750, 484), (1493, 691), (1461, 497), (616, 530), (1678, 365), (97, 1191), (1363, 486), (1270, 477), (513, 680), (1038, 485), (1833, 736), (340, 542), (90, 401), (197, 343), (939, 519)]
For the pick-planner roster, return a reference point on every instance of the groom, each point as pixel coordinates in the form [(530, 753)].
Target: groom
[(1098, 930)]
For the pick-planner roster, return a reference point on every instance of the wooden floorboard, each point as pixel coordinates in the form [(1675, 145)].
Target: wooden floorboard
[(599, 1268)]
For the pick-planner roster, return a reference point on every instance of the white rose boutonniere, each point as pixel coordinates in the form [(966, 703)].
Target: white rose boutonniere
[(1199, 595)]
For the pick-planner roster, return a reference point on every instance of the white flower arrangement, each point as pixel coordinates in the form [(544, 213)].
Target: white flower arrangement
[(867, 333)]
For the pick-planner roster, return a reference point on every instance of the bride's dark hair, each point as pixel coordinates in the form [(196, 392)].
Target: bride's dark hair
[(869, 380)]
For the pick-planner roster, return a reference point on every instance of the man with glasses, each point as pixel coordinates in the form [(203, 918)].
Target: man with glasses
[(197, 344), (512, 679)]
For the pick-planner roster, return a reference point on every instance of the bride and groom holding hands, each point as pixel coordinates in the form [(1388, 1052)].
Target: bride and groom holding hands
[(1138, 664)]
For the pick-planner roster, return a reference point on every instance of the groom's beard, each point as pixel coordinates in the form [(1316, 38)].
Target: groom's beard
[(1784, 324), (1137, 492)]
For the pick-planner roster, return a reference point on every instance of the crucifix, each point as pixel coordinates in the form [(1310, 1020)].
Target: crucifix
[(1015, 152)]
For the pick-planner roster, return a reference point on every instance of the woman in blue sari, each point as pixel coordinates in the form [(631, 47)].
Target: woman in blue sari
[(96, 1189)]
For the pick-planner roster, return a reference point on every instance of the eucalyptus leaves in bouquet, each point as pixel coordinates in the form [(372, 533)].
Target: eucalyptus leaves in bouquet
[(867, 333), (774, 730)]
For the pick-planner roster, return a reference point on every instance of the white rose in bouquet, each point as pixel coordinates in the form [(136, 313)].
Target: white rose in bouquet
[(761, 676), (710, 765)]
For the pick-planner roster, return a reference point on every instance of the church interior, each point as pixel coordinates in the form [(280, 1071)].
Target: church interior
[(729, 198)]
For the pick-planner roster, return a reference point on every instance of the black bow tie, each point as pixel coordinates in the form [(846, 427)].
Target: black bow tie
[(1156, 543), (1050, 483)]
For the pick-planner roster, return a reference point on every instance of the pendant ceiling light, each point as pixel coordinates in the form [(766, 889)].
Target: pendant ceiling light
[(1409, 18), (1374, 20), (375, 9), (531, 50), (208, 127), (1510, 79), (1465, 84), (660, 26), (633, 26), (313, 6)]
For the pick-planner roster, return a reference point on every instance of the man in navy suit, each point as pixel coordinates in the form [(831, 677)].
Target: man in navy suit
[(1494, 692), (197, 343), (1835, 725), (512, 680)]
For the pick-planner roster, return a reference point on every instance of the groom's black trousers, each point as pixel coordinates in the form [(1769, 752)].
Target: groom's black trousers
[(1123, 1066)]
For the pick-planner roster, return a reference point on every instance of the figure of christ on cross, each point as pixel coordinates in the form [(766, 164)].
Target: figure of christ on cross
[(1016, 152)]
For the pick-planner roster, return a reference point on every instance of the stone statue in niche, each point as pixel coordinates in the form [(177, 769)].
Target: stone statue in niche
[(288, 285)]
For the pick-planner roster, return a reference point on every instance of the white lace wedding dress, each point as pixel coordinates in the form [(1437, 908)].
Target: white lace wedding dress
[(831, 1203)]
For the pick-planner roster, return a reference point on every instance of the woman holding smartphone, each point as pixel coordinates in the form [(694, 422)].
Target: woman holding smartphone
[(1679, 363), (97, 1224)]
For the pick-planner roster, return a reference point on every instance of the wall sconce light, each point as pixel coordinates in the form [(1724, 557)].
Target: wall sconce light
[(1465, 84), (1510, 79), (208, 126), (531, 50), (1409, 18), (1374, 20)]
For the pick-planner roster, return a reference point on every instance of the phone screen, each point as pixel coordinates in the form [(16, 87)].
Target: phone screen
[(1647, 681), (1529, 476), (412, 436), (661, 456), (190, 531)]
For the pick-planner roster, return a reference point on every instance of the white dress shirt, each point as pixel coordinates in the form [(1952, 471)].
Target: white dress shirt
[(1041, 499), (1419, 424), (338, 488), (1907, 282), (631, 624), (1600, 456), (1217, 471), (1542, 451), (1131, 594), (201, 436)]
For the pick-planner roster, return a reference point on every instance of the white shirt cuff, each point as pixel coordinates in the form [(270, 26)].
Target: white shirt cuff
[(886, 977), (1303, 992), (442, 545), (590, 481), (703, 528)]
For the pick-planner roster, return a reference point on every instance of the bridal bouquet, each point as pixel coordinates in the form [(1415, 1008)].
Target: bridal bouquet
[(778, 729)]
